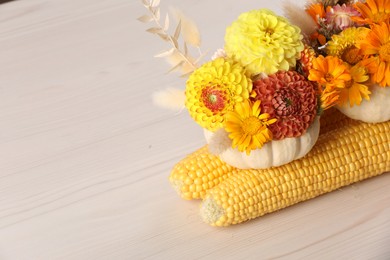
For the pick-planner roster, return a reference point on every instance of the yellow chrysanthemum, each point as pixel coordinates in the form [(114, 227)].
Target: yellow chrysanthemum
[(263, 42), (343, 45), (373, 11), (248, 127), (377, 47), (213, 89), (354, 91)]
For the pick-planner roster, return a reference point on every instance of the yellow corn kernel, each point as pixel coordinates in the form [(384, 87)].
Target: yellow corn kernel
[(361, 145)]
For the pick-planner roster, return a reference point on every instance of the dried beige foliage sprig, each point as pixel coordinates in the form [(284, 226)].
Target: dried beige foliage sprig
[(297, 15), (178, 56)]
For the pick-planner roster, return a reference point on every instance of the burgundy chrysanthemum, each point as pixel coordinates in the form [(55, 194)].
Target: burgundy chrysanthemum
[(291, 99)]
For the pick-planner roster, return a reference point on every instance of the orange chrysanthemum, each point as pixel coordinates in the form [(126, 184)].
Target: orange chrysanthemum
[(373, 12), (377, 48)]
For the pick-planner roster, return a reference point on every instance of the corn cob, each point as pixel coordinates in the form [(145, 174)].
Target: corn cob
[(200, 171), (352, 152), (197, 173)]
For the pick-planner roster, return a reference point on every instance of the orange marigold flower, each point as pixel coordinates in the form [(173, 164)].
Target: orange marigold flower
[(329, 71), (354, 90), (377, 48), (373, 11), (331, 74)]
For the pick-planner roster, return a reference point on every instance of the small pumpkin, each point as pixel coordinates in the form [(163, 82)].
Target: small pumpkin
[(274, 153), (375, 110)]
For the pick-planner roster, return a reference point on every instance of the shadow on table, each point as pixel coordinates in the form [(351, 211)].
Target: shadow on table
[(5, 1)]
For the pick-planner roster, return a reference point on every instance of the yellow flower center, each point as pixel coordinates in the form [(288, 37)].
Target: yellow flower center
[(352, 55), (384, 52), (213, 98), (252, 125), (269, 31)]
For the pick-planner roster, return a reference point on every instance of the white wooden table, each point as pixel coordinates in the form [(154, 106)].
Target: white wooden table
[(85, 156)]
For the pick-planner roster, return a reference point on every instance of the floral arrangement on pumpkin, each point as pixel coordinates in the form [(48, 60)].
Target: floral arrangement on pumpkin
[(350, 41), (272, 78), (250, 93)]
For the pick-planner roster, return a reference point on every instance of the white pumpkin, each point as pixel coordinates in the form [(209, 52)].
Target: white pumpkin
[(274, 153), (376, 110)]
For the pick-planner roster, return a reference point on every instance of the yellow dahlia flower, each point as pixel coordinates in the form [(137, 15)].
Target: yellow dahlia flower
[(343, 45), (263, 42), (213, 89), (248, 128)]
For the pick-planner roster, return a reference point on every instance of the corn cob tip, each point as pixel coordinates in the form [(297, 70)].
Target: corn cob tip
[(182, 190), (176, 185), (210, 211)]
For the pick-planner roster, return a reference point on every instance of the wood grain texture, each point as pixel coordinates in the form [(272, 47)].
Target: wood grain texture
[(85, 157)]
